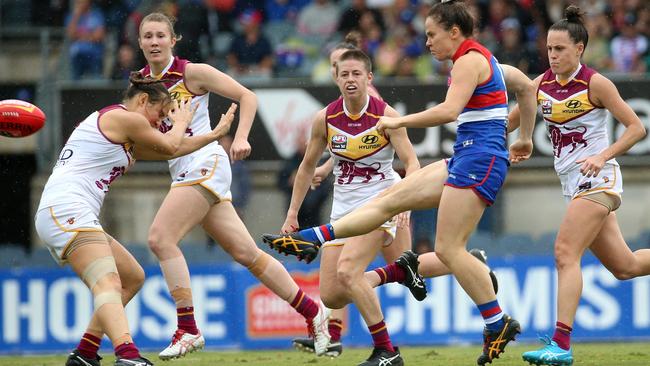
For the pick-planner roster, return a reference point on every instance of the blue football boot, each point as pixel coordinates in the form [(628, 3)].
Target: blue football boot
[(550, 354)]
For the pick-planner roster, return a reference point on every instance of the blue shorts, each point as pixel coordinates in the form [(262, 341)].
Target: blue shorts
[(483, 173)]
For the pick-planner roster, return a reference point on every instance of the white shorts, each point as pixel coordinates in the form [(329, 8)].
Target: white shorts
[(212, 172), (575, 185), (346, 200), (59, 225)]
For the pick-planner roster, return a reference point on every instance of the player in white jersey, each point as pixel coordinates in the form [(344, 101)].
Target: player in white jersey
[(574, 100), (101, 149), (200, 193), (363, 167)]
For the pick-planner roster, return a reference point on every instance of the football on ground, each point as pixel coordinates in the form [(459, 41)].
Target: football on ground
[(19, 118)]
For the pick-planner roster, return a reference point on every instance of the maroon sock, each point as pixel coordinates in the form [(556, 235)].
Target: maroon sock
[(305, 305), (89, 345), (391, 273), (562, 335), (127, 350), (186, 320), (380, 337), (335, 326)]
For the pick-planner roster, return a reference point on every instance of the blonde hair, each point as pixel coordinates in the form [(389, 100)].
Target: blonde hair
[(161, 18)]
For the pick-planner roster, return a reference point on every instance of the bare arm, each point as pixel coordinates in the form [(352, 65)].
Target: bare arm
[(193, 143), (604, 92), (403, 147), (132, 127), (316, 145), (464, 79), (525, 91), (205, 78), (514, 117)]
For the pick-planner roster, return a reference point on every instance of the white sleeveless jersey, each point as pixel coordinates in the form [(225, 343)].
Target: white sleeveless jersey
[(576, 126), (87, 165), (363, 158), (200, 124)]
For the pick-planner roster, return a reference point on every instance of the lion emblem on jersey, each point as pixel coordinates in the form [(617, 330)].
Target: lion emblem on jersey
[(574, 137)]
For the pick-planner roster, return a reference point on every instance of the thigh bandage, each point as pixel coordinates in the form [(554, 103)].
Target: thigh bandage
[(98, 269)]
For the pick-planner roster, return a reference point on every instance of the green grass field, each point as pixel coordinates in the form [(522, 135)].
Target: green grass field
[(601, 354)]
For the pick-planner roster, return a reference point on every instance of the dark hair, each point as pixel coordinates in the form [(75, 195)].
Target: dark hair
[(161, 18), (573, 24), (356, 54), (453, 13), (154, 88), (352, 41)]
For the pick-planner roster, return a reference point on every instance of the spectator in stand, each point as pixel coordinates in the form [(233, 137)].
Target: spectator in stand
[(318, 19), (192, 25), (125, 62), (85, 28), (250, 52), (510, 49), (597, 54), (629, 47), (396, 56), (284, 10), (351, 17)]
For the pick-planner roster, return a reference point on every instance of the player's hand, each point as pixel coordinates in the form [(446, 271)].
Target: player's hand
[(225, 122), (240, 149), (403, 219), (320, 174), (520, 150), (387, 123), (592, 165), (290, 225), (182, 112)]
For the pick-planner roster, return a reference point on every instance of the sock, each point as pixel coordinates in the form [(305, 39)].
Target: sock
[(391, 273), (320, 234), (186, 320), (492, 314), (305, 305), (89, 345), (127, 350), (335, 326), (562, 335), (380, 338)]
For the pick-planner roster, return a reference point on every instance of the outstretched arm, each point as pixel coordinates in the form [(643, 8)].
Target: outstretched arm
[(403, 147), (302, 181)]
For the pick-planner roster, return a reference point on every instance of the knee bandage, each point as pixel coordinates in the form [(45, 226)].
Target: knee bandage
[(98, 269), (107, 297), (260, 263)]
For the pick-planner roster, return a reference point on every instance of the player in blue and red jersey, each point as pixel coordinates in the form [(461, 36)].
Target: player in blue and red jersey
[(461, 187)]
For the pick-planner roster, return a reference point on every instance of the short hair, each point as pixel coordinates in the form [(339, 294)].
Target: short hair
[(355, 55)]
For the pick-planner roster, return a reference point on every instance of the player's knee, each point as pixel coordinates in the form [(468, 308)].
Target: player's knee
[(101, 275), (623, 274), (564, 254), (347, 273), (333, 300), (157, 242), (132, 283)]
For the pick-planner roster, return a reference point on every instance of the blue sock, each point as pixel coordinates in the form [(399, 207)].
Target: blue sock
[(320, 234)]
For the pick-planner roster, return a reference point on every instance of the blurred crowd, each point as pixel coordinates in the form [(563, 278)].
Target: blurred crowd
[(263, 39)]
